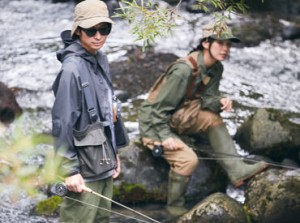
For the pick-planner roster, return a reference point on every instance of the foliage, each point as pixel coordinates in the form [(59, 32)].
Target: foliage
[(149, 21), (19, 155), (227, 7)]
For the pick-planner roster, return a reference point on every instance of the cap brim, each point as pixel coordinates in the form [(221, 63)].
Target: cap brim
[(226, 37)]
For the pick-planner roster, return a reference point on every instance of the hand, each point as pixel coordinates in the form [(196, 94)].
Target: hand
[(75, 183), (117, 171), (226, 104), (170, 144)]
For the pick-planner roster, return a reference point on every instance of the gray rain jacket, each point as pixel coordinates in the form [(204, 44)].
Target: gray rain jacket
[(70, 111)]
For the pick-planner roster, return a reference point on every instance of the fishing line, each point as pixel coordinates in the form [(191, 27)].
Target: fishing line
[(232, 156), (114, 212), (158, 151), (128, 208), (61, 190)]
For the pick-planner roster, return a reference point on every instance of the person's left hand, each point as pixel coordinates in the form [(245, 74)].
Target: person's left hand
[(118, 169), (226, 104)]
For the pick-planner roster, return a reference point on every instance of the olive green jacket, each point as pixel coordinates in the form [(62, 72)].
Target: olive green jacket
[(155, 113)]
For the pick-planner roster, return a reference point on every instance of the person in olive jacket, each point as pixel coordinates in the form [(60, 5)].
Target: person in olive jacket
[(86, 138), (160, 124)]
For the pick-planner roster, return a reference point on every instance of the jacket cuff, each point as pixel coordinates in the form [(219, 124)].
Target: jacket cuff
[(74, 172)]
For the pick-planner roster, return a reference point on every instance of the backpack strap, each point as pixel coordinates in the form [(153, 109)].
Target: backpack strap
[(154, 90), (85, 85), (192, 62)]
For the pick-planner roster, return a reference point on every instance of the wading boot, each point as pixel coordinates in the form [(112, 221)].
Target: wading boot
[(176, 189), (237, 170)]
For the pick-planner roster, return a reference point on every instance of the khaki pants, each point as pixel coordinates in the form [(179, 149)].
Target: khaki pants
[(203, 121), (85, 209), (184, 161)]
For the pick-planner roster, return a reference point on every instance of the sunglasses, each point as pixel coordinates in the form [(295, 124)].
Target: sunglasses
[(104, 31)]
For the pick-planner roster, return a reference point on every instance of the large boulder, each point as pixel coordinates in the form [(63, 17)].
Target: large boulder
[(274, 196), (271, 132), (141, 69), (144, 178), (9, 107), (216, 208)]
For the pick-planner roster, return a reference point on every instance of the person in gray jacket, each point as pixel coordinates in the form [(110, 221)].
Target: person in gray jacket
[(84, 121)]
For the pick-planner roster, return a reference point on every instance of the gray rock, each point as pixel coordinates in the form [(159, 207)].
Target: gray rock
[(216, 208), (270, 132), (9, 107), (274, 196), (144, 178)]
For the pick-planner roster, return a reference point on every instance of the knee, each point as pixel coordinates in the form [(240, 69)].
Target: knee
[(216, 120), (210, 119), (191, 164)]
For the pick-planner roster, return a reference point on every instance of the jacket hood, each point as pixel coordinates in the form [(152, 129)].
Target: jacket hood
[(72, 47), (66, 37)]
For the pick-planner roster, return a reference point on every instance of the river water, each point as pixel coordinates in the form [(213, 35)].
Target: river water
[(266, 75)]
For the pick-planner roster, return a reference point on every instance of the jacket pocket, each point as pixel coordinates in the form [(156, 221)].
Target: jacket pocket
[(96, 155)]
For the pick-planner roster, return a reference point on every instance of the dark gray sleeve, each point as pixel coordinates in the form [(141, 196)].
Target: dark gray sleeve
[(65, 113)]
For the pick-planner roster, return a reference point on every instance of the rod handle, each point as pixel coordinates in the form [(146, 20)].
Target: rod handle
[(85, 188)]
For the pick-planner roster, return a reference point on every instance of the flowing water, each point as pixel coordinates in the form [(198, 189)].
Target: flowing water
[(266, 75)]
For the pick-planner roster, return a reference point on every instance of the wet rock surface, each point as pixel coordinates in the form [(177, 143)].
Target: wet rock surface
[(217, 208), (139, 71), (9, 107), (270, 132), (274, 196), (148, 177), (271, 197)]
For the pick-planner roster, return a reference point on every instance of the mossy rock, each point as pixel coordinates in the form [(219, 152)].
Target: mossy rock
[(49, 206), (136, 193)]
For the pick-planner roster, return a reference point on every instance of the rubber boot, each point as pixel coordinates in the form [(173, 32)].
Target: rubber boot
[(237, 170), (176, 189)]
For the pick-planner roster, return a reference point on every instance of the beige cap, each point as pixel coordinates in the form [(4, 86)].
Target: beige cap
[(89, 13), (218, 32)]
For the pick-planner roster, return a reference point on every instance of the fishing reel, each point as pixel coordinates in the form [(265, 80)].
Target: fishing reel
[(158, 150), (59, 189)]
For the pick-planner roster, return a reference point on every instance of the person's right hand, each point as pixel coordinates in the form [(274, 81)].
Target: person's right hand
[(170, 144), (226, 104), (75, 183)]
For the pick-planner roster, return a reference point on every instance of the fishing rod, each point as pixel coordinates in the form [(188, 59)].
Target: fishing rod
[(223, 156), (157, 151), (61, 190)]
